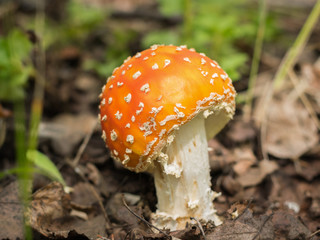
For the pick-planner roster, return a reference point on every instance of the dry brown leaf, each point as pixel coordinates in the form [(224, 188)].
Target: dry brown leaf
[(11, 216), (231, 230), (241, 131), (49, 204), (287, 188), (95, 177), (291, 132), (119, 213), (219, 156), (84, 93), (230, 185), (255, 175), (290, 226), (312, 74), (315, 208), (308, 169), (245, 159), (50, 215), (70, 127), (278, 225), (82, 196)]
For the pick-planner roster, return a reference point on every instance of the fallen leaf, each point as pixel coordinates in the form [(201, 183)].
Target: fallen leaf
[(291, 132), (119, 213), (219, 156), (72, 128), (241, 131), (49, 203), (308, 169), (50, 215), (315, 208), (262, 223), (311, 74), (88, 88), (82, 196), (245, 159), (232, 230), (11, 216), (288, 226), (277, 225), (230, 185), (255, 175)]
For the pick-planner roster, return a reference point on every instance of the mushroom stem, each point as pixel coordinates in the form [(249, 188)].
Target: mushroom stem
[(182, 180)]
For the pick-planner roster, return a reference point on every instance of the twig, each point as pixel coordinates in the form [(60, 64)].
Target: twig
[(83, 145), (142, 219), (256, 59), (297, 47), (286, 64), (304, 99), (262, 225), (246, 208), (313, 234), (100, 205), (199, 225), (82, 176), (40, 80)]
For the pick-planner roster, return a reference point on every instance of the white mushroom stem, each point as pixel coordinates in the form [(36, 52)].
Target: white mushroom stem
[(182, 179)]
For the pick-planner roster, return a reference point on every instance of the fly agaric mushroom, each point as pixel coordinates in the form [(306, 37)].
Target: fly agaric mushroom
[(157, 111)]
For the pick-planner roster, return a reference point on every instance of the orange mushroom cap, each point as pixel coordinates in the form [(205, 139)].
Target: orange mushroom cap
[(153, 93)]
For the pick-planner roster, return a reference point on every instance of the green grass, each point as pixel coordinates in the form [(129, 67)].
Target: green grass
[(220, 29)]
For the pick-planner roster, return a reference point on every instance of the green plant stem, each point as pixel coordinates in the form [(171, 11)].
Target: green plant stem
[(187, 20), (291, 56), (22, 162), (286, 65), (37, 102), (256, 58)]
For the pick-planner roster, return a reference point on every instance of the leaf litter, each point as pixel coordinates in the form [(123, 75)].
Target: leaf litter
[(244, 177), (277, 197)]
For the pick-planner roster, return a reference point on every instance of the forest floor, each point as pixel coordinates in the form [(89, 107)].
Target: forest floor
[(266, 165)]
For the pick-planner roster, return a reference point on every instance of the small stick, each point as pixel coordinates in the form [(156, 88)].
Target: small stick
[(313, 234), (247, 207), (262, 225), (142, 219), (83, 146), (93, 190), (305, 101), (199, 225)]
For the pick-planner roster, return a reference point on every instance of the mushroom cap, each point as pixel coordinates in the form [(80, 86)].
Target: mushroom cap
[(153, 93)]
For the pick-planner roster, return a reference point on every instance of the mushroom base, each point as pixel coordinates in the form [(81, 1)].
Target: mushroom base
[(182, 179)]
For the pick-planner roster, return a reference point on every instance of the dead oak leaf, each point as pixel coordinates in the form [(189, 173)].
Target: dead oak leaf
[(245, 159), (291, 132), (231, 230), (256, 175), (49, 203), (52, 215), (288, 226), (72, 128)]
